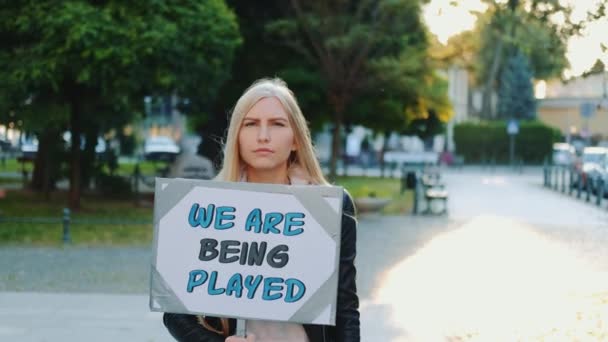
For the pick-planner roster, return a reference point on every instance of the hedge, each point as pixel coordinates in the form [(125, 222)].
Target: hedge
[(488, 140)]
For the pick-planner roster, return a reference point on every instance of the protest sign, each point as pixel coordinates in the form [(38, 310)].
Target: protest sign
[(245, 250)]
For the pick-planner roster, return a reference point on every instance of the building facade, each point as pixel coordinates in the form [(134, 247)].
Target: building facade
[(578, 107)]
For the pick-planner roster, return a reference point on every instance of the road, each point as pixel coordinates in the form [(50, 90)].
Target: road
[(512, 261)]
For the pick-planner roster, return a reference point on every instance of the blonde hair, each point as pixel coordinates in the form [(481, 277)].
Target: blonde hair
[(303, 157)]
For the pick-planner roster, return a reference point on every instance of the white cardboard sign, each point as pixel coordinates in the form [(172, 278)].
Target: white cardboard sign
[(244, 250)]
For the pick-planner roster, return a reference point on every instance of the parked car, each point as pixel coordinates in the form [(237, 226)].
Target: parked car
[(100, 147), (593, 161), (28, 148), (160, 148), (603, 175), (563, 154)]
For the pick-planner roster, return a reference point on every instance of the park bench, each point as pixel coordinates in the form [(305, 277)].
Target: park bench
[(434, 195), (428, 188), (434, 191)]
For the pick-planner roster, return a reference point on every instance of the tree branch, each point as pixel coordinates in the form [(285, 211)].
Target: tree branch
[(322, 52), (363, 52)]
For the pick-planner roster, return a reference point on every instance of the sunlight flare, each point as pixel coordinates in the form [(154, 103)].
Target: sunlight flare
[(495, 279)]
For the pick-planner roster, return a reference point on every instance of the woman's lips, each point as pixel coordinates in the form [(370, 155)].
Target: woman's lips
[(263, 150)]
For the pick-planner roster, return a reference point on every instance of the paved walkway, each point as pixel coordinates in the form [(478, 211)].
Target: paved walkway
[(512, 260), (518, 196), (32, 316)]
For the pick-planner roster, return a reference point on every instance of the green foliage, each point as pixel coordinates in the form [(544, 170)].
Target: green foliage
[(309, 87), (524, 26), (260, 55), (394, 88), (127, 144), (540, 29), (485, 141), (545, 47), (516, 92), (402, 90), (370, 56), (459, 50), (113, 186), (597, 68), (93, 61), (427, 127), (117, 49)]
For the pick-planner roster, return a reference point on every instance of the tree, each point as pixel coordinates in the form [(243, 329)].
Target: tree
[(597, 68), (46, 119), (427, 127), (516, 93), (98, 59), (400, 94), (460, 50), (301, 76), (530, 27), (348, 42)]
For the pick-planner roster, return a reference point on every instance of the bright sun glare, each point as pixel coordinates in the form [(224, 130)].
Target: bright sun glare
[(495, 279), (448, 17)]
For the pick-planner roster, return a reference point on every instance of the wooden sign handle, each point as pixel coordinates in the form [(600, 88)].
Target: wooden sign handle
[(241, 328)]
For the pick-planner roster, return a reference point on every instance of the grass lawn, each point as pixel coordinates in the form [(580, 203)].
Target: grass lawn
[(11, 180), (88, 229), (12, 165), (370, 186), (381, 188), (88, 226), (145, 167), (127, 168), (92, 224)]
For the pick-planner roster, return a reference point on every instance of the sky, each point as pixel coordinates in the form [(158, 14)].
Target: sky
[(445, 20)]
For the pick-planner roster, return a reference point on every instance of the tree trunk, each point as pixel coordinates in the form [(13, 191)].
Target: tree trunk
[(45, 163), (335, 147), (382, 151), (487, 109), (88, 156), (338, 105), (345, 156), (75, 113), (40, 163)]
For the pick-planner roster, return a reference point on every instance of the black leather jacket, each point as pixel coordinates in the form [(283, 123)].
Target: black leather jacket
[(185, 328)]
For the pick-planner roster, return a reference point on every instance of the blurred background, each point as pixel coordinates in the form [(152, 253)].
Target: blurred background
[(442, 118)]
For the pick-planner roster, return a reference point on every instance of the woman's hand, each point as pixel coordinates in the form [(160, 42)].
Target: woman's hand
[(249, 338)]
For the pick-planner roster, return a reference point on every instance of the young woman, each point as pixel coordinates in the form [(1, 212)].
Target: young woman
[(268, 141)]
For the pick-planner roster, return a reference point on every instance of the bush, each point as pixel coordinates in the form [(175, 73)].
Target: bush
[(127, 144), (484, 141), (113, 186)]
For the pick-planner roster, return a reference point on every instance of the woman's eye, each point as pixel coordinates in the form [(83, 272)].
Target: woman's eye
[(249, 124), (279, 123)]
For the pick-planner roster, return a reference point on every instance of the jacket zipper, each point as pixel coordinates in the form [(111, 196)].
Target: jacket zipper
[(323, 333)]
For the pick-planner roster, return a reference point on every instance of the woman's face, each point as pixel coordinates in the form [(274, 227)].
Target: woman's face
[(265, 137)]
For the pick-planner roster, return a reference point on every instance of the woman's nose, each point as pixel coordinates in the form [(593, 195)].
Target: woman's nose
[(264, 133)]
